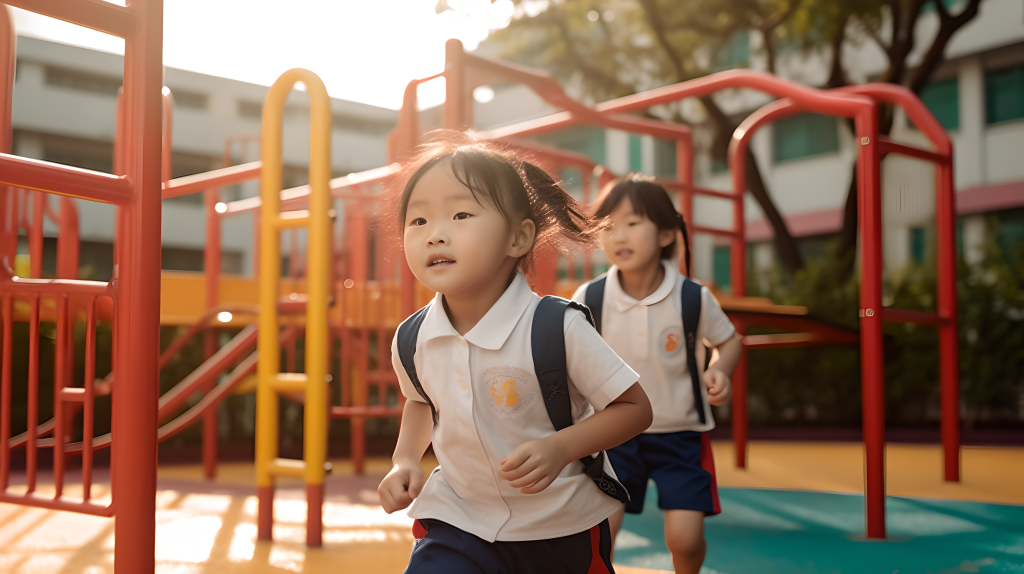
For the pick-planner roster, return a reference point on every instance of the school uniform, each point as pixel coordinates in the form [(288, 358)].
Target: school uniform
[(488, 403), (674, 452)]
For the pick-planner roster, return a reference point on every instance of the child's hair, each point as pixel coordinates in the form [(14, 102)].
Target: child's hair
[(503, 176), (649, 200)]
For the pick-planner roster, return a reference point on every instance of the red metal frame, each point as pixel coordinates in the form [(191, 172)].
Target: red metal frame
[(135, 289), (464, 72)]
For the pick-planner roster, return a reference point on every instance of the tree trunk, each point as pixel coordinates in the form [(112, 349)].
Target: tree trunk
[(785, 244)]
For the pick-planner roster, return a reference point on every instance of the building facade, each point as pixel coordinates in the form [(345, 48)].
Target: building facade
[(65, 100)]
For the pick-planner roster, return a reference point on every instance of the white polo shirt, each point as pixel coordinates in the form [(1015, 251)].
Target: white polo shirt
[(648, 335), (488, 403)]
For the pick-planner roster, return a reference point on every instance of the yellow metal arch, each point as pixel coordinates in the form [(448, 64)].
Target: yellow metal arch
[(313, 384)]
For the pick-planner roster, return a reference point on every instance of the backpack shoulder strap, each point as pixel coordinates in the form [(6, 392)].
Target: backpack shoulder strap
[(594, 298), (690, 307), (547, 341), (408, 333)]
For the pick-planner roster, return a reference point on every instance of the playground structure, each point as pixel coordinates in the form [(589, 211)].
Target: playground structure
[(332, 297)]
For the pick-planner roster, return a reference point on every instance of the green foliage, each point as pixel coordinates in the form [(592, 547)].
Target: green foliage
[(820, 386)]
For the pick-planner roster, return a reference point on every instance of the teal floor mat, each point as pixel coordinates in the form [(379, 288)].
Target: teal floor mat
[(775, 531)]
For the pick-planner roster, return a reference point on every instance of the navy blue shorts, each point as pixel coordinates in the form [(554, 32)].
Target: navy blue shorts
[(441, 548), (680, 464)]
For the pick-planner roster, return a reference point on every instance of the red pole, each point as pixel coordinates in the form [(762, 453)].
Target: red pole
[(872, 360), (949, 360), (684, 173), (457, 110), (133, 469)]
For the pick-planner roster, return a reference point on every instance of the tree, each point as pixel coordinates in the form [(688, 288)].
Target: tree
[(612, 48)]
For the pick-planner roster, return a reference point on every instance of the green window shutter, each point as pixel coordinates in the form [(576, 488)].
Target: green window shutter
[(636, 153), (665, 159), (587, 140), (959, 237), (805, 135), (943, 100), (917, 246), (1010, 236), (721, 267), (719, 166), (735, 53), (1004, 94), (929, 6)]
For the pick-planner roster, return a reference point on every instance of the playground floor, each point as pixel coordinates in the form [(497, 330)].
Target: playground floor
[(795, 509)]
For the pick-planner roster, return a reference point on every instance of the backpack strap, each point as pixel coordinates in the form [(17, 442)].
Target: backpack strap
[(408, 333), (690, 307), (547, 341), (594, 298)]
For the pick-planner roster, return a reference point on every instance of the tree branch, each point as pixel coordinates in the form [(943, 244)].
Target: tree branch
[(651, 12), (933, 57), (837, 77)]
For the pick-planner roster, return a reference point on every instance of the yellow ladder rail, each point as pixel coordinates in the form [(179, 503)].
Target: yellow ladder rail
[(271, 382)]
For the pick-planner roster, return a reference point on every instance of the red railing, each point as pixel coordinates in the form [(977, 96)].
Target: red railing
[(134, 290)]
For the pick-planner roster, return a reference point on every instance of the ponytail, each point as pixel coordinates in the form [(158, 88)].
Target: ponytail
[(561, 220), (686, 241)]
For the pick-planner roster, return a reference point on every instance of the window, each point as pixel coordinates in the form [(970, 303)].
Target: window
[(636, 153), (1010, 235), (929, 5), (587, 140), (721, 267), (251, 110), (82, 81), (917, 244), (1004, 94), (735, 53), (665, 159), (719, 166), (344, 122), (189, 99), (805, 135), (943, 100)]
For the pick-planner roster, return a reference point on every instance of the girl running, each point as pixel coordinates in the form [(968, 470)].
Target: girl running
[(513, 493), (645, 307)]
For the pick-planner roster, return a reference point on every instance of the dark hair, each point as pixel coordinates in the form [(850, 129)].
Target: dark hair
[(503, 177), (649, 200)]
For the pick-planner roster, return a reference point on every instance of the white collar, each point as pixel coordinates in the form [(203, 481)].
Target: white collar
[(624, 302), (494, 327)]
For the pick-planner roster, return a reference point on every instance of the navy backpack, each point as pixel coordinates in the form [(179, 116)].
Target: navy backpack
[(547, 342)]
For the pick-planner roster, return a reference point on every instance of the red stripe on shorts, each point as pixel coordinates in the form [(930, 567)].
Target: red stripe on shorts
[(597, 565), (417, 530), (707, 462)]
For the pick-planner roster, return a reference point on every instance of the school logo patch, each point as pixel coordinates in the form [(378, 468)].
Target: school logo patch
[(670, 342), (510, 391)]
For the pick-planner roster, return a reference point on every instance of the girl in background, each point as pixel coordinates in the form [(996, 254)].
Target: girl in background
[(642, 313)]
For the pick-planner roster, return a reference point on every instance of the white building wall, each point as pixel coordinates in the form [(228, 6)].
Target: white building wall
[(47, 109)]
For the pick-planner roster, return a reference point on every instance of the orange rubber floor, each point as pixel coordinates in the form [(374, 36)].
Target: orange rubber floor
[(209, 527)]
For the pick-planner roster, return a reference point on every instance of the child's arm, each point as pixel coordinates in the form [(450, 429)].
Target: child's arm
[(402, 485), (723, 363), (534, 465)]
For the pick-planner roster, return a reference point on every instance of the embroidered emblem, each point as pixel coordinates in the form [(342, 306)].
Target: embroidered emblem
[(507, 395), (671, 342), (511, 390)]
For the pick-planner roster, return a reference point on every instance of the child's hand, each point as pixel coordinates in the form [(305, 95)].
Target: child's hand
[(534, 465), (719, 386), (400, 487)]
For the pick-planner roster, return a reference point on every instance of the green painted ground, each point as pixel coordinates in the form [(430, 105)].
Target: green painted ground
[(772, 531)]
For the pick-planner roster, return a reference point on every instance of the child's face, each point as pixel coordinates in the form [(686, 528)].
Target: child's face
[(453, 243), (633, 242)]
